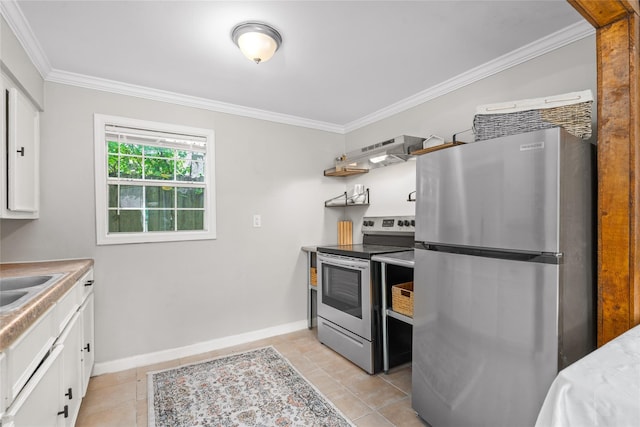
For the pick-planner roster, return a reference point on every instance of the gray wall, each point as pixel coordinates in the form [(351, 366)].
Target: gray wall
[(568, 69), (154, 297)]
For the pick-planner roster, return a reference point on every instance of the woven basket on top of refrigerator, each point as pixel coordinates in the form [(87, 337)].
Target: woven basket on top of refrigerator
[(572, 111)]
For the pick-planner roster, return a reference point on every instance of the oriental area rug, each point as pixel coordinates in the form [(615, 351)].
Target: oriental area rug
[(255, 388)]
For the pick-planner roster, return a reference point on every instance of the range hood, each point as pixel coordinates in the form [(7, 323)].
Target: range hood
[(383, 153)]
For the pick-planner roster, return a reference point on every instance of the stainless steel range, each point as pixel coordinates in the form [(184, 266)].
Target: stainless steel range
[(349, 319)]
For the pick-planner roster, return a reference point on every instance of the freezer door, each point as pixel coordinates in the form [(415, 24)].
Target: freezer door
[(485, 343), (501, 193)]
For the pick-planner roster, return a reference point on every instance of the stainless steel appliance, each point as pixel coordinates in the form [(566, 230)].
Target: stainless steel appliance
[(349, 319), (503, 286), (380, 154)]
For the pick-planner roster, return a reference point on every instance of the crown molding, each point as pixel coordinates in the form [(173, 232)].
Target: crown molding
[(18, 23), (105, 85), (22, 30), (537, 48)]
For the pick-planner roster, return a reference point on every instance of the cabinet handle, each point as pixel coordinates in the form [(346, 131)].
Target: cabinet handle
[(69, 393), (88, 347), (21, 151), (88, 283), (65, 412)]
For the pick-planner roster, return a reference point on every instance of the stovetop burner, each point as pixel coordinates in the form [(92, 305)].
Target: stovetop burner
[(380, 235)]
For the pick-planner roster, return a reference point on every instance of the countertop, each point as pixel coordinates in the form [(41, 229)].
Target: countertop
[(404, 259), (310, 248), (16, 322)]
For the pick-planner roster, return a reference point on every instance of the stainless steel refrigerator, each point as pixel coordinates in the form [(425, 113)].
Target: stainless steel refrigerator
[(504, 276)]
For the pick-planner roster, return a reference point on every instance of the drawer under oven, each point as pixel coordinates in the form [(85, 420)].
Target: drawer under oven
[(353, 347)]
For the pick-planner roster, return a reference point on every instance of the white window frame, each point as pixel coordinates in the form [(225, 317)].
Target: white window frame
[(101, 121)]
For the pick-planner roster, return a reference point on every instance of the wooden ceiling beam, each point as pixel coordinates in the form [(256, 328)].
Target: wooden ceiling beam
[(601, 13)]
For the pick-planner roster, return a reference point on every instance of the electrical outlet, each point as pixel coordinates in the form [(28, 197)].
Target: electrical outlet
[(257, 221)]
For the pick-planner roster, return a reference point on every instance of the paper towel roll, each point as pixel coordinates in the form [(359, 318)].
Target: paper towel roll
[(345, 232)]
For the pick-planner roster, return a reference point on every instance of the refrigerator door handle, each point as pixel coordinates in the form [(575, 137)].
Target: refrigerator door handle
[(540, 257), (422, 245), (558, 255)]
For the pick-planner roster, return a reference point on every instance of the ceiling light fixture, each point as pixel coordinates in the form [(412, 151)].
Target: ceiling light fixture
[(257, 41)]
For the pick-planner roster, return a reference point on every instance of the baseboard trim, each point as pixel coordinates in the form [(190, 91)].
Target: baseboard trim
[(190, 350)]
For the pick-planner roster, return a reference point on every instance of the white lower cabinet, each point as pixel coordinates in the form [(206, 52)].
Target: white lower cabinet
[(88, 350), (3, 383), (38, 402), (45, 373), (71, 390), (26, 353)]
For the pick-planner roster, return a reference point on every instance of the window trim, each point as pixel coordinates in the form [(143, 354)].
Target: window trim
[(103, 237)]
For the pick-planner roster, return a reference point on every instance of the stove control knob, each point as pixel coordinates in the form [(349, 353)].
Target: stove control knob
[(405, 222), (400, 223), (413, 222)]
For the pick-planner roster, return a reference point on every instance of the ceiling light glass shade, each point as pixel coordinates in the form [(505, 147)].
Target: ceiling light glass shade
[(256, 40)]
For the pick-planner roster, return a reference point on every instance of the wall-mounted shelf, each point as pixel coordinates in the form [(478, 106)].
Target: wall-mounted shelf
[(344, 200), (436, 148), (344, 172)]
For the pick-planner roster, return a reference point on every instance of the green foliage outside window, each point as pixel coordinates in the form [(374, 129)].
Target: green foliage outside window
[(131, 160), (160, 207)]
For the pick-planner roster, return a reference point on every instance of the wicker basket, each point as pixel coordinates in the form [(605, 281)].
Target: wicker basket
[(572, 111), (314, 277), (402, 298)]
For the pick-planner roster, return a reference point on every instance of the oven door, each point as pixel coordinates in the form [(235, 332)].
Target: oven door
[(345, 293)]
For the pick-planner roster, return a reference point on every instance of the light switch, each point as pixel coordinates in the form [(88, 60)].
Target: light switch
[(257, 221)]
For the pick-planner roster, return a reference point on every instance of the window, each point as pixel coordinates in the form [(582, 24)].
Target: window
[(154, 181)]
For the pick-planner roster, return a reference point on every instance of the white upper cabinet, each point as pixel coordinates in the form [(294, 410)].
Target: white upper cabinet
[(20, 149)]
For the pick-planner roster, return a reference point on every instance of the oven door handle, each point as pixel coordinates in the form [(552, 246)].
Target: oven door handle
[(343, 262)]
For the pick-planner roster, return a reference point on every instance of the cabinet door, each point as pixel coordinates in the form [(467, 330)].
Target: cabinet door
[(71, 386), (25, 354), (38, 403), (88, 355), (22, 153), (3, 384)]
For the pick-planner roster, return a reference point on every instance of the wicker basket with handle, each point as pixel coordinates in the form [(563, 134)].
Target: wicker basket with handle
[(572, 111), (313, 278), (402, 298)]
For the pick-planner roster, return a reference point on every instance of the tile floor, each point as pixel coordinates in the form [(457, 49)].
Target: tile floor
[(120, 399)]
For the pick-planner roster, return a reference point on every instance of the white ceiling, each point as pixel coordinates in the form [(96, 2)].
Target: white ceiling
[(342, 64)]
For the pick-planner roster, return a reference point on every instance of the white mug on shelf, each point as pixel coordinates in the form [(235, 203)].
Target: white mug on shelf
[(358, 194)]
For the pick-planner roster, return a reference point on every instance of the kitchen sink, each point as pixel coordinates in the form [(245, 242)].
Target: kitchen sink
[(10, 297), (13, 283), (17, 291)]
